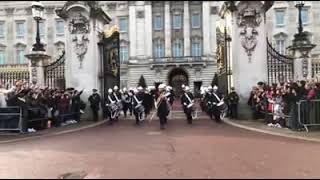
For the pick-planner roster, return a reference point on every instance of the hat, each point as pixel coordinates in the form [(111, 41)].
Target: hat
[(215, 87), (162, 86), (232, 88), (187, 88), (183, 86), (109, 90), (94, 90), (209, 87), (115, 88), (140, 88), (125, 89)]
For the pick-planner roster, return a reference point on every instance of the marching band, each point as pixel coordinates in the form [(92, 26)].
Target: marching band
[(140, 101)]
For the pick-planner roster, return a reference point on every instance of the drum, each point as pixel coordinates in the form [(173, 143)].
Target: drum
[(139, 108), (120, 105)]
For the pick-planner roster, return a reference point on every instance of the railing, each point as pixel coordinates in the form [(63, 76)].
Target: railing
[(309, 113), (13, 72), (315, 68), (11, 119)]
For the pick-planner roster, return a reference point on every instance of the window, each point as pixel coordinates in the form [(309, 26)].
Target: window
[(280, 46), (60, 27), (158, 50), (2, 59), (304, 16), (2, 29), (124, 54), (177, 21), (280, 17), (177, 48), (20, 56), (123, 24), (158, 25), (195, 21), (20, 29), (41, 28), (195, 49)]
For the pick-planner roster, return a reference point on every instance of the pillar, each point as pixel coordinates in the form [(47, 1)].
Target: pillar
[(167, 28), (186, 28)]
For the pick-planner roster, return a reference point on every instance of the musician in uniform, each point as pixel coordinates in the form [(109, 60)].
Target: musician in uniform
[(216, 99), (161, 105), (187, 103), (233, 100), (148, 100), (110, 106), (117, 96), (95, 100), (138, 111), (208, 96), (126, 101)]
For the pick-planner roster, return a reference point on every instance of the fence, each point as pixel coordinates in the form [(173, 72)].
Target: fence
[(11, 119), (309, 113), (11, 73)]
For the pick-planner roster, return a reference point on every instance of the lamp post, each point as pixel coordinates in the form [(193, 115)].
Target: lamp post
[(299, 5), (37, 13)]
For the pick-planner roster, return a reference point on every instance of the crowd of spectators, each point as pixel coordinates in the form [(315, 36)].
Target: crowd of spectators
[(274, 102), (45, 102)]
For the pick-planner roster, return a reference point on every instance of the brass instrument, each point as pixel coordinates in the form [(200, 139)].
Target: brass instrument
[(157, 104)]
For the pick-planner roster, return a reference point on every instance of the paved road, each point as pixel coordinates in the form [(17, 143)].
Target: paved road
[(202, 150)]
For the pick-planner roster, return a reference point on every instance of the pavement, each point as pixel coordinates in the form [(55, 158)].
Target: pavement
[(259, 126)]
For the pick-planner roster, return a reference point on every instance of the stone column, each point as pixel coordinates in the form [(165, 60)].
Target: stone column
[(36, 69), (249, 49), (132, 29), (10, 35), (50, 26), (206, 27), (186, 28), (82, 59), (167, 28), (148, 28)]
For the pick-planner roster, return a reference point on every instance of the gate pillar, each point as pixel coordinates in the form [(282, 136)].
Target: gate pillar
[(85, 22), (36, 69), (245, 22)]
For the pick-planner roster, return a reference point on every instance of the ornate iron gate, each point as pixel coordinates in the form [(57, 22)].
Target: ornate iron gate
[(54, 73), (109, 49), (9, 74), (280, 67)]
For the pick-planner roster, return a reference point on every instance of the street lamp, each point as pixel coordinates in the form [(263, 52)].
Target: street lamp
[(299, 5), (37, 13)]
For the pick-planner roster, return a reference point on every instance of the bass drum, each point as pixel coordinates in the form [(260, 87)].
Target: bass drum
[(223, 108), (120, 105)]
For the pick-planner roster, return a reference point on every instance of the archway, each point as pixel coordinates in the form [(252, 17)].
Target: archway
[(177, 77)]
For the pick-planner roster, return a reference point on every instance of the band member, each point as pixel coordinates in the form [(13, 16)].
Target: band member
[(148, 100), (117, 96), (111, 106), (3, 95), (126, 101), (95, 101), (131, 93), (208, 96), (187, 103), (161, 105), (216, 99), (233, 100), (138, 105)]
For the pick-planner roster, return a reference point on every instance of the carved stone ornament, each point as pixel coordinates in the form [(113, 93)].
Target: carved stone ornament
[(34, 75), (80, 46), (79, 27), (249, 19)]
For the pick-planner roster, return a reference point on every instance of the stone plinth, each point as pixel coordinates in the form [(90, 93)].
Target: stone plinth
[(36, 66)]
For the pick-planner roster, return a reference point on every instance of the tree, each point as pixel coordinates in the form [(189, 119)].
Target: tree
[(215, 80), (142, 82)]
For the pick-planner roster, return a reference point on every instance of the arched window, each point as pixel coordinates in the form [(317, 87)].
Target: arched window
[(158, 49), (177, 48)]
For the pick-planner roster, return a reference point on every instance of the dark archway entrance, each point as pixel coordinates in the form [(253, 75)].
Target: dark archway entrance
[(176, 78)]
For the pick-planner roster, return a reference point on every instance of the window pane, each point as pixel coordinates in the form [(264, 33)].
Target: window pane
[(20, 29), (177, 49), (2, 60), (196, 49), (122, 24), (60, 27), (304, 16), (195, 21), (279, 18), (177, 21), (1, 29), (20, 56), (124, 56), (280, 46), (158, 23), (158, 49)]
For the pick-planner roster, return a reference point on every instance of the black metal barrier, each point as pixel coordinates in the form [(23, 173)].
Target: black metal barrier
[(11, 119), (308, 113)]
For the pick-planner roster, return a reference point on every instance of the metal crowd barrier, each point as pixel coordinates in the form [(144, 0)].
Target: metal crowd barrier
[(11, 119), (309, 113)]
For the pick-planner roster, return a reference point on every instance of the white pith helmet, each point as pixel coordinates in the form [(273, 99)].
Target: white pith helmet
[(115, 88), (110, 91)]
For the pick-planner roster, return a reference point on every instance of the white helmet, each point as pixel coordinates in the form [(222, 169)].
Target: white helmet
[(125, 89), (162, 86), (215, 87), (110, 91), (135, 90), (140, 88), (187, 88), (115, 88), (183, 86), (209, 87), (151, 87)]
